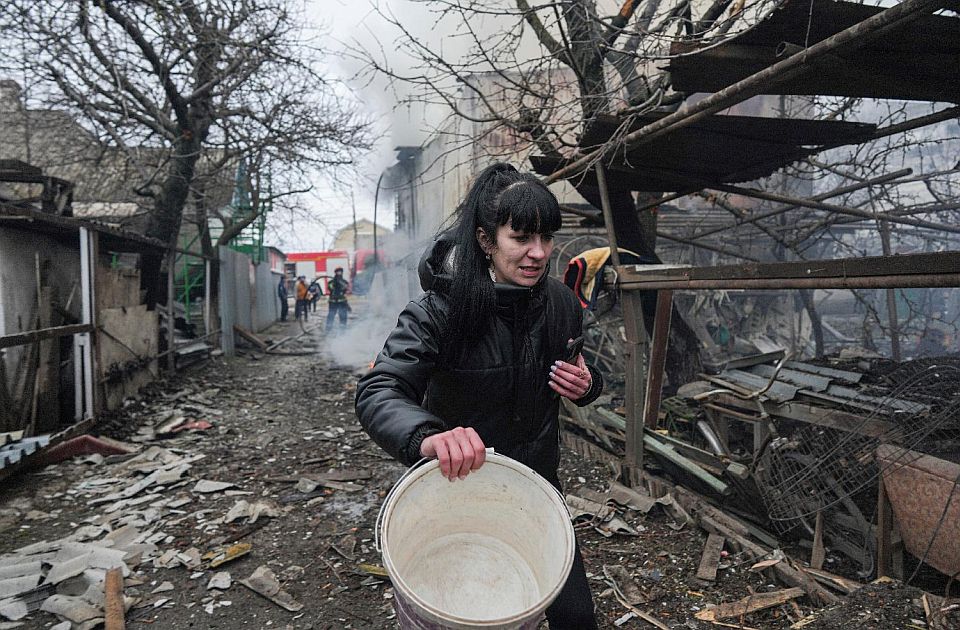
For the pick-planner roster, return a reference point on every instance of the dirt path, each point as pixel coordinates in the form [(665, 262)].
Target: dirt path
[(277, 420)]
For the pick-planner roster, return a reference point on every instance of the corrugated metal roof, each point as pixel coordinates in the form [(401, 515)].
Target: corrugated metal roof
[(917, 61), (714, 150), (842, 375), (806, 381), (800, 379), (15, 451)]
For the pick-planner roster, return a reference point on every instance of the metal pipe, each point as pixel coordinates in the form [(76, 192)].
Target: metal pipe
[(819, 205), (88, 317), (711, 438), (608, 214), (850, 38), (822, 197), (907, 281)]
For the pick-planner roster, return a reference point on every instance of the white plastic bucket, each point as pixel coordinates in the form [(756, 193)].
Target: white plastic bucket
[(489, 551)]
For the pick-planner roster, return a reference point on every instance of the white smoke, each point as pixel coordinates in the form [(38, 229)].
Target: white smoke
[(374, 315)]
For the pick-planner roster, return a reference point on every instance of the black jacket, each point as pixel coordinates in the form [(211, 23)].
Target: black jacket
[(498, 387)]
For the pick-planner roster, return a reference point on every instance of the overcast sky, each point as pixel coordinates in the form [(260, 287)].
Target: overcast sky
[(348, 23)]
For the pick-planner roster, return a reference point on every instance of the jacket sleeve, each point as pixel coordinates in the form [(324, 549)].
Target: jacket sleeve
[(596, 388), (390, 395)]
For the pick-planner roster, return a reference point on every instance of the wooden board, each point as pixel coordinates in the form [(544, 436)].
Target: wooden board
[(711, 557), (750, 604), (117, 287), (126, 334)]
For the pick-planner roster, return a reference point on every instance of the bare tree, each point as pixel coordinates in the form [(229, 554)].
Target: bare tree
[(542, 74), (535, 78), (188, 89)]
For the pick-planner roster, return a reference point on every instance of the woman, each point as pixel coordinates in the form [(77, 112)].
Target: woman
[(482, 357)]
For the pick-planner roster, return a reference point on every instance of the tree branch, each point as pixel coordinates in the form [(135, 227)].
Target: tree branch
[(543, 35)]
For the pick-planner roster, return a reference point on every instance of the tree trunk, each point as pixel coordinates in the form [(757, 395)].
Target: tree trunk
[(164, 223)]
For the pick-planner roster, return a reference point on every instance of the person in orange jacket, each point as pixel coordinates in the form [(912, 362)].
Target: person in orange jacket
[(303, 298)]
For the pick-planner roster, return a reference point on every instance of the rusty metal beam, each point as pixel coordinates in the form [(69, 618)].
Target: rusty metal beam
[(940, 269), (851, 38), (917, 281)]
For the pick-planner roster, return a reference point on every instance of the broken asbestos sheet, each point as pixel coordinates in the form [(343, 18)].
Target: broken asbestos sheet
[(263, 582)]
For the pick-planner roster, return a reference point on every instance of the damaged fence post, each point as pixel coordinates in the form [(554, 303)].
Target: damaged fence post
[(634, 350), (658, 358), (884, 520), (818, 554)]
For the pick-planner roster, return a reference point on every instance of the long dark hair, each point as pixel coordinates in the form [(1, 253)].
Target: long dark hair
[(498, 195)]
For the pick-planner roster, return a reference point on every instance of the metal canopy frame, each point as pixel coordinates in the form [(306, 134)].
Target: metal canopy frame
[(646, 351), (849, 39)]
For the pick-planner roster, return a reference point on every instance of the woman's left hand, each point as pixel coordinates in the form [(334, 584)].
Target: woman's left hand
[(570, 380)]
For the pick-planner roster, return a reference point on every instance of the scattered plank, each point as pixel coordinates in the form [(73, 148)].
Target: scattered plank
[(715, 521), (374, 570), (249, 336), (750, 604), (113, 592), (842, 584), (711, 557), (818, 554)]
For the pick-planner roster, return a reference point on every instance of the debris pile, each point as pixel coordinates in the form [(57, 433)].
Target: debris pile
[(134, 504), (776, 459)]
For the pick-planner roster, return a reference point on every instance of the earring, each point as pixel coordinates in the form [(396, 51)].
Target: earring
[(487, 256)]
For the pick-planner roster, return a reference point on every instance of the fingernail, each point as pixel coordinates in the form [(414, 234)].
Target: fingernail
[(557, 363), (553, 368)]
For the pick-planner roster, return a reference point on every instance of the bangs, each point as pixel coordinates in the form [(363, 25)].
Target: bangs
[(530, 207)]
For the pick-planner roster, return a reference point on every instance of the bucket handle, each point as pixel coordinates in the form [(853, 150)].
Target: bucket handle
[(379, 524)]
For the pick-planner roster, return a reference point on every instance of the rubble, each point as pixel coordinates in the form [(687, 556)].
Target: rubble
[(263, 582), (220, 581), (643, 546), (205, 486)]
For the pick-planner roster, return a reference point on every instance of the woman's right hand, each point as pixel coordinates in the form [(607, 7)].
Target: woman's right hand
[(459, 451)]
